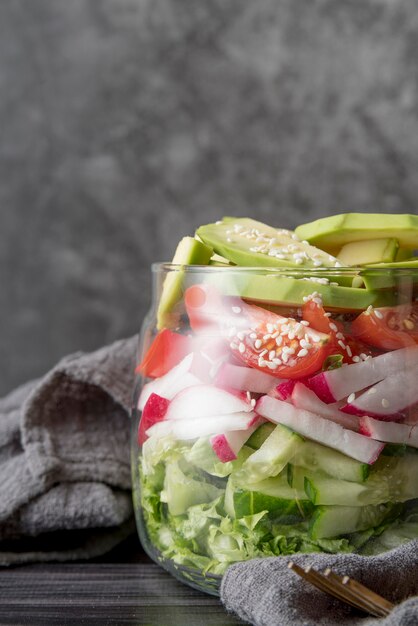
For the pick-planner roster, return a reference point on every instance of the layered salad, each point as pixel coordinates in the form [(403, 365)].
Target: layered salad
[(278, 402)]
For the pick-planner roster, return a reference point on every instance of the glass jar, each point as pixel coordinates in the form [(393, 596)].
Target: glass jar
[(274, 413)]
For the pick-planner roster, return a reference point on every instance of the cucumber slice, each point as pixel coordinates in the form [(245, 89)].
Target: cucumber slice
[(260, 435), (273, 495), (273, 455), (314, 456), (332, 521), (393, 479)]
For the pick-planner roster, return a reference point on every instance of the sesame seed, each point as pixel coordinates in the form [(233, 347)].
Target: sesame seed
[(236, 309), (333, 327), (280, 256), (253, 336), (233, 346), (276, 334), (278, 361), (262, 353), (351, 398), (304, 323), (265, 337), (317, 301), (342, 344), (272, 366), (372, 390), (302, 352), (248, 396), (279, 340), (349, 352), (356, 359), (339, 335), (270, 328), (229, 240), (291, 335), (285, 358), (305, 344), (317, 263), (329, 314), (262, 363), (363, 356), (218, 222), (385, 403), (378, 314), (408, 324), (258, 343), (253, 402), (298, 261), (241, 348), (314, 337), (272, 354)]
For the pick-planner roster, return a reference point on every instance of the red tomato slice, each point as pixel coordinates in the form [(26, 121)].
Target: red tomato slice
[(388, 328), (280, 346), (315, 314), (166, 351)]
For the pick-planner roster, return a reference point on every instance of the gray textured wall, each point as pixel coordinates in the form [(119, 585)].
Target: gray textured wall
[(126, 123)]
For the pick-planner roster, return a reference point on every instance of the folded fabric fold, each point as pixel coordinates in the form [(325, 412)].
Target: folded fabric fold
[(265, 592), (64, 458)]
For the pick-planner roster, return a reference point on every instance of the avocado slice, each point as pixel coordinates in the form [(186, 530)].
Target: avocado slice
[(249, 243), (188, 252), (369, 251), (335, 231), (382, 276), (272, 289)]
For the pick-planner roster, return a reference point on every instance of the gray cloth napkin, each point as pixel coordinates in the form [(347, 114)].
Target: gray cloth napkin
[(264, 592), (64, 459)]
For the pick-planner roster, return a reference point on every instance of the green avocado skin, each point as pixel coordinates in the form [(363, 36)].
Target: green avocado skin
[(331, 233)]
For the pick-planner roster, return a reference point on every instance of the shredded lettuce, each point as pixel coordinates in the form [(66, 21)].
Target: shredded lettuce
[(182, 497)]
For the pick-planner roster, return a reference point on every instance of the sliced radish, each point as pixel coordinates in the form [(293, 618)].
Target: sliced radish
[(284, 390), (227, 445), (387, 399), (154, 411), (245, 378), (390, 432), (304, 398), (205, 400), (339, 383), (167, 386), (319, 429), (202, 427)]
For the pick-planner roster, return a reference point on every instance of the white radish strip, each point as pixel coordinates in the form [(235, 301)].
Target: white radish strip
[(339, 383), (245, 378), (167, 386), (210, 425), (319, 429), (388, 398), (205, 400), (390, 432), (304, 398), (227, 445)]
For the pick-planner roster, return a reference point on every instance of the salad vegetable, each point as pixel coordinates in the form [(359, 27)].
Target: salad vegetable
[(278, 401)]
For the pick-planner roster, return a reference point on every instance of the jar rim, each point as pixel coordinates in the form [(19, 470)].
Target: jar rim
[(162, 266)]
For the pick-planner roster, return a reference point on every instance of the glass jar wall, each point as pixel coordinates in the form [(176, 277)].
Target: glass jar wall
[(275, 412)]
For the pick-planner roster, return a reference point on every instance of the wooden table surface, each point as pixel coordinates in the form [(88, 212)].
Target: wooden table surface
[(124, 587)]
